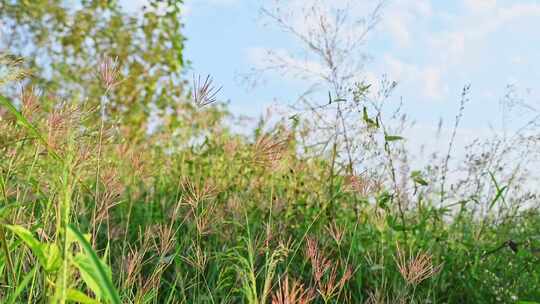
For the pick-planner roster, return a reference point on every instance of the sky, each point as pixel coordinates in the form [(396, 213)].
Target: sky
[(431, 48)]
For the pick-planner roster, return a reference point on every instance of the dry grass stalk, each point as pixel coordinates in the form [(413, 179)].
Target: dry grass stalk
[(166, 239), (135, 262), (204, 92), (295, 294), (375, 297), (135, 159), (85, 152), (197, 195), (203, 220), (416, 269), (230, 147)]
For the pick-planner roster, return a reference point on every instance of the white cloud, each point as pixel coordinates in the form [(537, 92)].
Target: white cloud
[(440, 55), (429, 47), (427, 78), (401, 16), (480, 5), (488, 16), (470, 31), (433, 87), (517, 60), (281, 60), (397, 28), (450, 47), (220, 2)]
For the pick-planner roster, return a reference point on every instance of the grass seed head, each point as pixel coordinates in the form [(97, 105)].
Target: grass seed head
[(204, 92), (296, 293), (269, 150), (416, 269), (108, 72), (30, 102)]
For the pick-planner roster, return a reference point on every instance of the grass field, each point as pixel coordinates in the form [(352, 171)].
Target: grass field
[(90, 216), (123, 182)]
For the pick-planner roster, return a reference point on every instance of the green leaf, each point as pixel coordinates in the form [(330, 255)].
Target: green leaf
[(48, 255), (79, 297), (370, 122), (88, 274), (393, 223), (383, 199), (417, 178), (95, 269), (500, 191), (6, 207), (393, 138)]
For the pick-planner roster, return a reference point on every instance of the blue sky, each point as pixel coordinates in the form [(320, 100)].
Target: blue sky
[(432, 48)]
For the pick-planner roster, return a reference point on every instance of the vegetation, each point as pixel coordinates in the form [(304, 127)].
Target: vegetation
[(100, 205)]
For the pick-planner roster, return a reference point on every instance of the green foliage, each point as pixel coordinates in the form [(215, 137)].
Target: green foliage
[(65, 43), (93, 270), (193, 213)]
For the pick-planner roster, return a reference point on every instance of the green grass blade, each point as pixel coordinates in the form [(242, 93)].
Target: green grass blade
[(499, 194), (21, 286)]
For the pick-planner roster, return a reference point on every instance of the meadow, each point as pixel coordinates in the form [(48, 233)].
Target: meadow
[(96, 209)]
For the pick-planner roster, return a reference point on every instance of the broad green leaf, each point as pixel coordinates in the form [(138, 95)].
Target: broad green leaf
[(88, 273), (26, 236), (53, 259), (95, 269), (79, 297), (48, 255)]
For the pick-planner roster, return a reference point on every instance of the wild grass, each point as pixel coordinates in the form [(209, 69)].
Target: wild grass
[(91, 216)]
